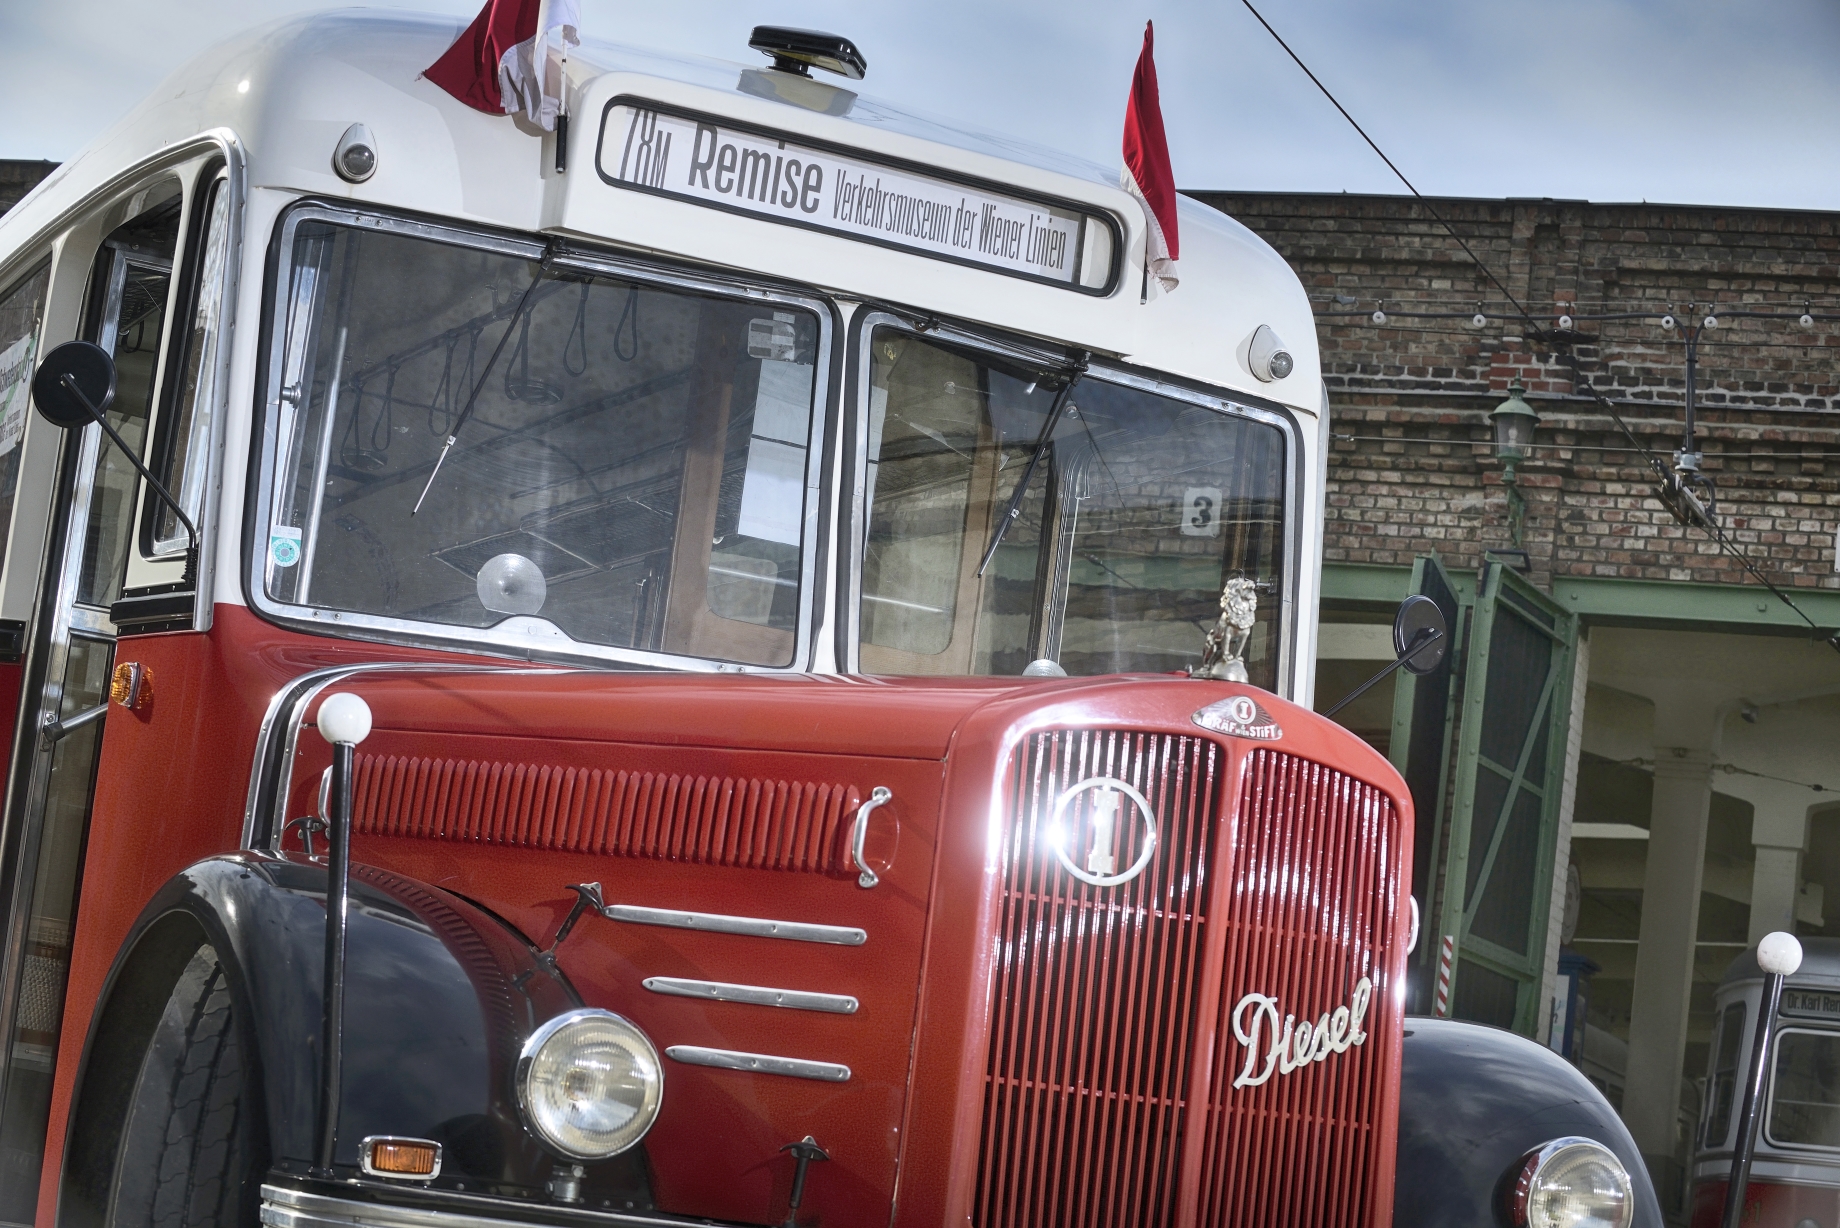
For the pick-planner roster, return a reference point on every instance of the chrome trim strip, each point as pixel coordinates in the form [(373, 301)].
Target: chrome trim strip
[(511, 641), (759, 1063), (753, 995), (752, 927), (295, 695), (91, 619), (288, 1208)]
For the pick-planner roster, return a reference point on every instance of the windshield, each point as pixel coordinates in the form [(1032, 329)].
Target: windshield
[(1139, 509), (470, 439)]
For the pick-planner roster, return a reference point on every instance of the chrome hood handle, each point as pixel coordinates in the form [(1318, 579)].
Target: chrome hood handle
[(879, 797)]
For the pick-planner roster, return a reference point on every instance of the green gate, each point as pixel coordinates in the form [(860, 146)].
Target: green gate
[(1512, 721), (1420, 750)]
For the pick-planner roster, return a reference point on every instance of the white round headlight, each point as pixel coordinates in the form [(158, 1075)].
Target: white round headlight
[(589, 1084), (1573, 1183)]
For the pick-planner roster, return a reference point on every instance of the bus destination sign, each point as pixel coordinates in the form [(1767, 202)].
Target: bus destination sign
[(703, 159), (1822, 1003)]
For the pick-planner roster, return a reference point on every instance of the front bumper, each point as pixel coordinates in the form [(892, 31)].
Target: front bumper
[(287, 1207)]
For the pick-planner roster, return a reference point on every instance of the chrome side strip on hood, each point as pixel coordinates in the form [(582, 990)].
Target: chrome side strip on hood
[(759, 1063), (752, 927), (753, 995)]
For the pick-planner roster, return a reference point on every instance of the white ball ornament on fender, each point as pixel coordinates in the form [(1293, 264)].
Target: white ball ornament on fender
[(344, 718)]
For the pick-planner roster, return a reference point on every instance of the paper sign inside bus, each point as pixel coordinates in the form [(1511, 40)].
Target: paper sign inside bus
[(702, 159), (1810, 1002)]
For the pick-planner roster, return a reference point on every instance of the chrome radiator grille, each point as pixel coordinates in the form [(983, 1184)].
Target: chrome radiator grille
[(1109, 1098)]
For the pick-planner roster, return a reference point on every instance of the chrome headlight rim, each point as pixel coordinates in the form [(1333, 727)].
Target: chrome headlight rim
[(1544, 1157), (547, 1032)]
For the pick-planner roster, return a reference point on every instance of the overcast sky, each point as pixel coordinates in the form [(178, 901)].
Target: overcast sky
[(1694, 101)]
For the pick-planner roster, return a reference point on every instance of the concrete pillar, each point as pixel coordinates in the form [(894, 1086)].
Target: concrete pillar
[(1665, 948), (1779, 834), (1775, 881)]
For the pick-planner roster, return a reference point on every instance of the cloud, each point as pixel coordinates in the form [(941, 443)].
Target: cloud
[(1696, 101)]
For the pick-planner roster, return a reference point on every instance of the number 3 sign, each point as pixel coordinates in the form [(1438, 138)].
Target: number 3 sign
[(1201, 511)]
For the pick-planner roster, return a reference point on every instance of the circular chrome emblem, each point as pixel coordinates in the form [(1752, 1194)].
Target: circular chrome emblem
[(1102, 834), (1241, 708)]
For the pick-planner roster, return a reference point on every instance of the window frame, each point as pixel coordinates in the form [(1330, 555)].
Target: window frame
[(1013, 351), (205, 187), (1769, 1102), (500, 640)]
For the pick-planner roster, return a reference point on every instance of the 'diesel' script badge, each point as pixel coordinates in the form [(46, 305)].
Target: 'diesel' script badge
[(1239, 716)]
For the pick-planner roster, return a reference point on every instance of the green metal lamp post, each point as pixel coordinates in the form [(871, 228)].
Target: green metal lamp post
[(1514, 422)]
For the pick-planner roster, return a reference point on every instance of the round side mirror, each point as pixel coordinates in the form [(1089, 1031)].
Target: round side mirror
[(1417, 616), (87, 366)]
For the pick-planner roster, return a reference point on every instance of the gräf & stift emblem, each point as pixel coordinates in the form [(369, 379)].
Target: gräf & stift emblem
[(1239, 716)]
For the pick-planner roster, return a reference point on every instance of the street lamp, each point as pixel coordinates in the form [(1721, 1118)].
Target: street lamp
[(1514, 422)]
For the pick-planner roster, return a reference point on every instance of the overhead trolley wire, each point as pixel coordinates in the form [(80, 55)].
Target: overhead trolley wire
[(1688, 511), (1438, 218)]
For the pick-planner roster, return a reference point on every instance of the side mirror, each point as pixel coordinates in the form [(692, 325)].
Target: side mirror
[(1413, 638), (74, 384), (1420, 637)]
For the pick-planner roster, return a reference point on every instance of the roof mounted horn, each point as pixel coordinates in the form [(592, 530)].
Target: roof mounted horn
[(799, 51)]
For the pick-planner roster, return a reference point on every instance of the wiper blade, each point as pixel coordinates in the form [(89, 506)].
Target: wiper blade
[(473, 397), (1075, 374)]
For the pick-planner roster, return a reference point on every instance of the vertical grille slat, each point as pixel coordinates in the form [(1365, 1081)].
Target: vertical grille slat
[(1102, 996)]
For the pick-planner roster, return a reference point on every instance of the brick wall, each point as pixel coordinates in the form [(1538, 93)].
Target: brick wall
[(1413, 469)]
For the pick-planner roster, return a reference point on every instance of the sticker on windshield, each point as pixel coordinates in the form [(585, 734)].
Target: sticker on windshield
[(1201, 511), (284, 545)]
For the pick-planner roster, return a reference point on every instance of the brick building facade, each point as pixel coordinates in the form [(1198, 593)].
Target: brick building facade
[(1700, 711), (19, 176), (1413, 465)]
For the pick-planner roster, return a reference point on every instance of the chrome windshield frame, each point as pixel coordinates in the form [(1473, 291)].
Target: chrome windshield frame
[(854, 522), (501, 641)]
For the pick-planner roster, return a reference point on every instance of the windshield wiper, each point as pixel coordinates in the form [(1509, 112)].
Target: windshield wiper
[(1074, 374), (473, 397)]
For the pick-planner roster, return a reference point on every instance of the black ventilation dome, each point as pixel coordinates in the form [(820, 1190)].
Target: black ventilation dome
[(798, 51)]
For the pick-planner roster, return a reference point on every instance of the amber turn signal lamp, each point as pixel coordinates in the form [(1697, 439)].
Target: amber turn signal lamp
[(416, 1158)]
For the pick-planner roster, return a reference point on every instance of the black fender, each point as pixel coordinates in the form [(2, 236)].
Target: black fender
[(439, 999), (1473, 1102)]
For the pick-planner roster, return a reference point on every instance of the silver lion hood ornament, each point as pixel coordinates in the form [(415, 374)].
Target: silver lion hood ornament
[(1223, 659)]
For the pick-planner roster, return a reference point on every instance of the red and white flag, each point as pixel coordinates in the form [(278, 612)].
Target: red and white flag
[(512, 58), (1146, 165)]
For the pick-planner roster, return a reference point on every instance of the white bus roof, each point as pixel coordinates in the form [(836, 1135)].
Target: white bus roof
[(289, 90)]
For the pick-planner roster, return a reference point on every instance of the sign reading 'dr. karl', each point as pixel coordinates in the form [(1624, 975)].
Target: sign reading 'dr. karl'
[(701, 159)]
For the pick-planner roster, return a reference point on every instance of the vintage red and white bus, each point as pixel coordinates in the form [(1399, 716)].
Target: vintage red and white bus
[(766, 560)]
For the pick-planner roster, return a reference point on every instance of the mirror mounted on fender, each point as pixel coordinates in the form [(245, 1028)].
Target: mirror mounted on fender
[(1420, 639), (74, 384)]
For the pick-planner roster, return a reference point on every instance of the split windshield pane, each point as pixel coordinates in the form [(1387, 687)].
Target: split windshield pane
[(1139, 510), (632, 471)]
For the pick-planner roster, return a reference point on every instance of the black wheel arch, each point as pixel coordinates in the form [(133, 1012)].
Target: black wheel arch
[(1473, 1102), (440, 996)]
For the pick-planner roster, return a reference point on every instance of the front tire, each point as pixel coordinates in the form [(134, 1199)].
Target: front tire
[(188, 1155)]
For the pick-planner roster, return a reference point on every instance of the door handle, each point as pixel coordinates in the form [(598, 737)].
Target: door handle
[(879, 797), (51, 730)]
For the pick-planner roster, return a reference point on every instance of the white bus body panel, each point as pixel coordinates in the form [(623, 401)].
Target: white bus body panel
[(286, 92)]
